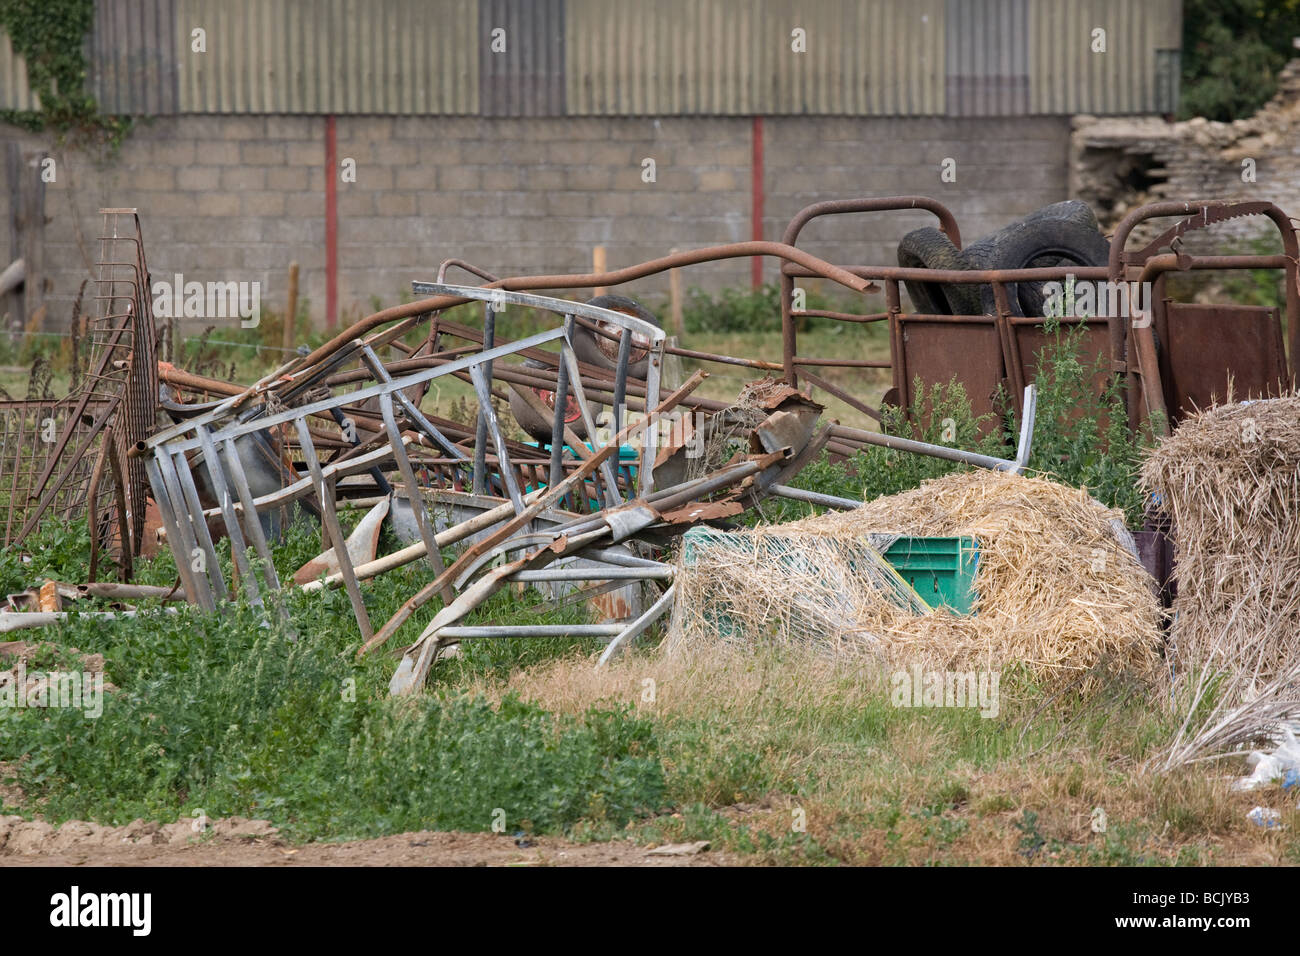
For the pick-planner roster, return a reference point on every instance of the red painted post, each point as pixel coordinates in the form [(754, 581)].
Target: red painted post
[(331, 225)]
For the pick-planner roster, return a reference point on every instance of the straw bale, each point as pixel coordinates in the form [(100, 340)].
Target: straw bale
[(1229, 477), (1058, 590)]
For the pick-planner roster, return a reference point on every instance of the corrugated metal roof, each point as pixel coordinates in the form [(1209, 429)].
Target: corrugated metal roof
[(595, 57), (1066, 76), (15, 94)]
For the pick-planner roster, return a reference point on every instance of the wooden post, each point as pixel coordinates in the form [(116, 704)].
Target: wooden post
[(12, 303), (291, 308), (675, 297), (32, 225), (598, 265), (26, 234)]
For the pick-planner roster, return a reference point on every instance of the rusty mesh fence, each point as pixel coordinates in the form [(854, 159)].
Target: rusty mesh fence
[(68, 459)]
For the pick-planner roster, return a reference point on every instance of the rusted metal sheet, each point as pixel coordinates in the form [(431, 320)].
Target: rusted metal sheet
[(1205, 345), (133, 54), (526, 78), (939, 349), (1149, 266), (1029, 336)]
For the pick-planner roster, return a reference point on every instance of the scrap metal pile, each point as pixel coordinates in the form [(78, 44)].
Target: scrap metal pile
[(605, 484), (611, 473)]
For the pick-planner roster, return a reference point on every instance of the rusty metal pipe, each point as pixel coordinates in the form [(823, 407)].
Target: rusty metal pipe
[(839, 207), (973, 276), (840, 316), (735, 250), (841, 363)]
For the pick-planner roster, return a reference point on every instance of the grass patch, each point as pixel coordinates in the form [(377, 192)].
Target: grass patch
[(786, 757), (242, 714), (777, 755)]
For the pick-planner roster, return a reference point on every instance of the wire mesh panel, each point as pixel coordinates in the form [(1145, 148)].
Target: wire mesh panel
[(28, 432), (71, 457)]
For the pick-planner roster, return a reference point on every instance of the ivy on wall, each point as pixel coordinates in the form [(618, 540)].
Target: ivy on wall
[(51, 36)]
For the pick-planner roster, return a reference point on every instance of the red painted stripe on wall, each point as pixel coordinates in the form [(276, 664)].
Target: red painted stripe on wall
[(331, 225)]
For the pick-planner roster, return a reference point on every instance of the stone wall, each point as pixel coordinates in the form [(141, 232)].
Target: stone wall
[(1119, 163)]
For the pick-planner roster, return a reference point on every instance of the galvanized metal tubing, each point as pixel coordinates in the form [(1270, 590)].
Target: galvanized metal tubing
[(212, 440)]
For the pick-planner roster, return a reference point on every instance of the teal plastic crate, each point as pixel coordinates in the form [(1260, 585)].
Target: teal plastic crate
[(869, 563), (941, 570), (629, 459)]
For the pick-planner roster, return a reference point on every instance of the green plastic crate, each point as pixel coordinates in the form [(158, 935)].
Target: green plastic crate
[(892, 584), (941, 570)]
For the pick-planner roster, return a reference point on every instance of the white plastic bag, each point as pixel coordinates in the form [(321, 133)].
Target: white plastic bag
[(1268, 767)]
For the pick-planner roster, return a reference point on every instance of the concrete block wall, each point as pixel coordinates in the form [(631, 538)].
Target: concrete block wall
[(1004, 167), (237, 198)]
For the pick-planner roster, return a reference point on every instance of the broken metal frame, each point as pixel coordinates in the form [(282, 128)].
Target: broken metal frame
[(212, 436), (1015, 466), (532, 528), (572, 539), (581, 534), (569, 374)]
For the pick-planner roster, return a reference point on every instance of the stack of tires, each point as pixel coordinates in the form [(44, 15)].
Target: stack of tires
[(1062, 234)]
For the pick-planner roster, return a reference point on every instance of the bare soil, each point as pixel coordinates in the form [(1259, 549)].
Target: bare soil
[(239, 842)]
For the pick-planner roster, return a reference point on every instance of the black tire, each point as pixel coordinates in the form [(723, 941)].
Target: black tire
[(1072, 210), (1037, 243), (929, 248), (982, 252), (602, 352), (985, 252)]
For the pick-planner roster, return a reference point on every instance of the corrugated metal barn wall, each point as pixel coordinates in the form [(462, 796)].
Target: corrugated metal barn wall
[(730, 57), (15, 93), (597, 57), (988, 57), (1066, 76), (134, 57), (328, 56), (526, 78)]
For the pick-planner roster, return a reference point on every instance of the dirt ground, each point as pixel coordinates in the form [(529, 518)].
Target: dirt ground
[(238, 842)]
